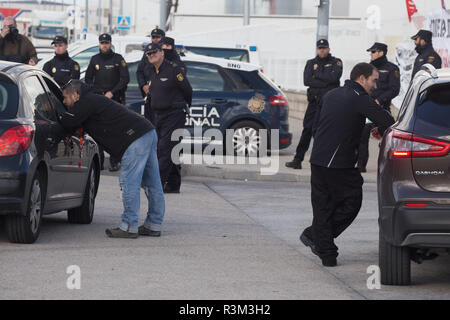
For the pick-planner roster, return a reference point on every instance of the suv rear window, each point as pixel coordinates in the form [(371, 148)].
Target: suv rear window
[(9, 100), (229, 54), (435, 108)]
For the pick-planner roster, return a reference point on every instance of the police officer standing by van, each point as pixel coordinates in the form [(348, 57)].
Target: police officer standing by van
[(388, 87), (62, 68), (108, 74), (169, 92), (424, 47), (322, 74)]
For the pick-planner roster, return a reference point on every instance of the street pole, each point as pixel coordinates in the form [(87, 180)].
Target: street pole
[(122, 32), (100, 16), (163, 13), (323, 17), (110, 17), (87, 16), (246, 12)]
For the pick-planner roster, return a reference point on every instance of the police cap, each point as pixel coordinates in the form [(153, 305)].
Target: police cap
[(152, 48), (59, 39), (378, 46), (423, 34), (105, 38), (323, 43), (158, 33)]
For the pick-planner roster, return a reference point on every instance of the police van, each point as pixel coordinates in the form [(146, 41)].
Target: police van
[(226, 95)]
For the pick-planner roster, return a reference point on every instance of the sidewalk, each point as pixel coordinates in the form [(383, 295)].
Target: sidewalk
[(252, 172)]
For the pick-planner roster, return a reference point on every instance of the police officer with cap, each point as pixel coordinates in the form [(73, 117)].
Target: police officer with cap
[(388, 87), (141, 74), (322, 74), (424, 47), (108, 74), (62, 68), (169, 92), (168, 45)]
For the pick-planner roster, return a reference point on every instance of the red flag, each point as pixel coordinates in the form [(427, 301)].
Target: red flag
[(411, 8)]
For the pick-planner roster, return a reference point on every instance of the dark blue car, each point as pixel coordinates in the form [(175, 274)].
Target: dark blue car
[(227, 95)]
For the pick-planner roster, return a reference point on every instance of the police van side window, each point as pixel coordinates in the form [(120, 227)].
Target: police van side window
[(39, 99), (205, 77)]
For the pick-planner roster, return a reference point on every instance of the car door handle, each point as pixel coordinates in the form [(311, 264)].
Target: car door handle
[(219, 100)]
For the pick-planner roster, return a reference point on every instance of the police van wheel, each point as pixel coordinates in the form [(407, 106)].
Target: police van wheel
[(395, 264), (247, 138), (85, 213)]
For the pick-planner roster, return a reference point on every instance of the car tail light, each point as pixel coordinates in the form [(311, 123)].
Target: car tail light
[(15, 140), (407, 145), (416, 205), (278, 101)]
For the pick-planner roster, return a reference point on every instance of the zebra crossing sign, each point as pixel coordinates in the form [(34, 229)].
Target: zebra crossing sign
[(123, 23)]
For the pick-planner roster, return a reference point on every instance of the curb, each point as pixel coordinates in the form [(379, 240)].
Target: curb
[(239, 174)]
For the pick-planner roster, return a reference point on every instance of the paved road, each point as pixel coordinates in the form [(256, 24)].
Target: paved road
[(222, 240)]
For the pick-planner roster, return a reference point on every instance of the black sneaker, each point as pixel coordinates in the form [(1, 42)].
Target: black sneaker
[(329, 262), (308, 242), (295, 164), (168, 189), (119, 233), (114, 168), (143, 231)]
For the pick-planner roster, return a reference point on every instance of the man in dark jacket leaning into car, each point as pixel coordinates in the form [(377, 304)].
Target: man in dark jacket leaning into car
[(336, 184), (127, 136)]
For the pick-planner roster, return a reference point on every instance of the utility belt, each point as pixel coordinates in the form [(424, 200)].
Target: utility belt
[(174, 107)]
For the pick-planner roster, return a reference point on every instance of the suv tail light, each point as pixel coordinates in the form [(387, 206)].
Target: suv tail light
[(15, 140), (278, 101), (407, 145)]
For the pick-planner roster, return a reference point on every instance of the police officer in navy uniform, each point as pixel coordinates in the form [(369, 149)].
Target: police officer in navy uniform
[(108, 74), (170, 93), (322, 74), (168, 45), (388, 87), (62, 68), (424, 47), (141, 72)]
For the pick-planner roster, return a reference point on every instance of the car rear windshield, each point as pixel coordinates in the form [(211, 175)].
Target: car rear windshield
[(230, 54), (435, 107), (9, 99), (249, 80)]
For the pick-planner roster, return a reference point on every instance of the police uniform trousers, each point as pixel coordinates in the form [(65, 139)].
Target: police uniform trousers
[(308, 124), (336, 196), (166, 123)]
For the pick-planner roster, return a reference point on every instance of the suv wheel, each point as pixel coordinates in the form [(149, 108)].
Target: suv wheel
[(26, 229), (247, 138), (395, 264), (85, 213)]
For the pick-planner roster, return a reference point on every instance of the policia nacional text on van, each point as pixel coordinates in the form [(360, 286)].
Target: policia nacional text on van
[(336, 185)]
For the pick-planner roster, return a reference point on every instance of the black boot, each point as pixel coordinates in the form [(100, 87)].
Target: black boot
[(294, 164)]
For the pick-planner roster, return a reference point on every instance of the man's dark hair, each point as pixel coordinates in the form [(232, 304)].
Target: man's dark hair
[(73, 86), (362, 69)]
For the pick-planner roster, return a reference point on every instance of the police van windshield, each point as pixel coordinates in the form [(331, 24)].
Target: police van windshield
[(9, 100), (229, 54), (41, 32)]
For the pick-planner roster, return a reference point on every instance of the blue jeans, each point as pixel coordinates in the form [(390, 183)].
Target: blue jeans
[(139, 168)]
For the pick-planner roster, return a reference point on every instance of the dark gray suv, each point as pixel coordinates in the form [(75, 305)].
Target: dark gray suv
[(414, 178)]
